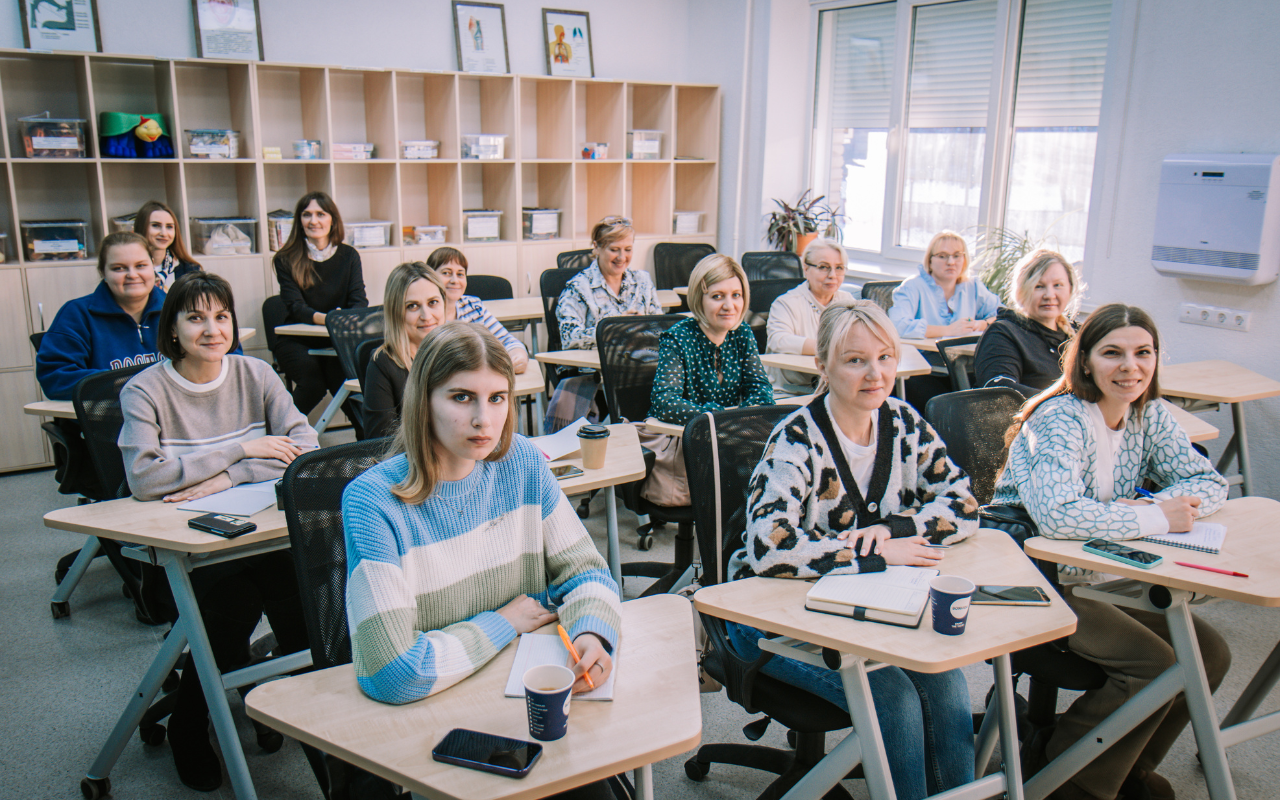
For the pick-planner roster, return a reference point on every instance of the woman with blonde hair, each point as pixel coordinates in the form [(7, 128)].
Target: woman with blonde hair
[(853, 482), (1023, 348), (413, 306), (943, 299)]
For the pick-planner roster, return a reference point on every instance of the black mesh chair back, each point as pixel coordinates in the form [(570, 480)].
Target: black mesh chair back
[(574, 259), (36, 338), (364, 354), (628, 348), (348, 328), (958, 366), (551, 284), (97, 405), (673, 262), (312, 495), (274, 314), (973, 424), (489, 287), (763, 293), (881, 292), (771, 265)]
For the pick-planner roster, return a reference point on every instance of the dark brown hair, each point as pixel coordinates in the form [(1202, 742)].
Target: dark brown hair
[(447, 255), (189, 293), (115, 240), (294, 253), (178, 246)]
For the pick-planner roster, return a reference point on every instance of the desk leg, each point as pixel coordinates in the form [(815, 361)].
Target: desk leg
[(900, 389), (615, 555), (644, 782), (332, 408), (1257, 690), (175, 565), (1242, 446), (1204, 719), (1008, 728), (88, 551)]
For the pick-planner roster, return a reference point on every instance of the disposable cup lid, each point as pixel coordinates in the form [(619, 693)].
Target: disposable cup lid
[(593, 432)]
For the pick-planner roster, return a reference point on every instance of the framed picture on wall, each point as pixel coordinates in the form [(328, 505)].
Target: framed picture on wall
[(481, 30), (228, 29), (61, 25), (567, 39)]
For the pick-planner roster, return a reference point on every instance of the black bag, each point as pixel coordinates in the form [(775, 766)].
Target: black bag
[(1015, 521)]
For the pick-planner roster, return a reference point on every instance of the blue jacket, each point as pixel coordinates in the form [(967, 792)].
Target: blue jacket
[(91, 334)]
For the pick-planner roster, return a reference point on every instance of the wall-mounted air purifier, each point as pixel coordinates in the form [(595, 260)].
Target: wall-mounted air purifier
[(1218, 218)]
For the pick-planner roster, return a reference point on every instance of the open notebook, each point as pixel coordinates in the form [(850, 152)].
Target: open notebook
[(244, 500), (1204, 537), (537, 649), (897, 596)]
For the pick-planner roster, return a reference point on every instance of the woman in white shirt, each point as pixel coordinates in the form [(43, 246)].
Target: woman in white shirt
[(793, 317)]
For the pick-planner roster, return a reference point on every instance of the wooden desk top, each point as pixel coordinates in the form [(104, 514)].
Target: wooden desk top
[(1215, 382), (518, 309), (683, 291), (58, 409), (658, 426), (668, 298), (158, 524), (582, 359), (989, 557), (910, 365), (655, 714), (248, 333), (932, 346), (302, 329), (531, 381), (623, 463), (1197, 429), (1251, 547)]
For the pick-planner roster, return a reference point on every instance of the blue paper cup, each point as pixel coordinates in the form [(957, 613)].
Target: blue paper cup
[(950, 596), (547, 694)]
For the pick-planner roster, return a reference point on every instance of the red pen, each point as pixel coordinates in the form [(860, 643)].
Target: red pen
[(1211, 569)]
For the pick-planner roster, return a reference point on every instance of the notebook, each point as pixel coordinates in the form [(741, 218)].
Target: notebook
[(1205, 537), (896, 596), (536, 649), (244, 500)]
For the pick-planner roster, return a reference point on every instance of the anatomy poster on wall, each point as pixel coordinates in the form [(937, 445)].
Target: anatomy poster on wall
[(228, 29), (61, 25), (481, 29), (567, 36)]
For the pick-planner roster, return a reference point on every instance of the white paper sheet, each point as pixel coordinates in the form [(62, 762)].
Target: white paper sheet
[(537, 649), (562, 442), (244, 500)]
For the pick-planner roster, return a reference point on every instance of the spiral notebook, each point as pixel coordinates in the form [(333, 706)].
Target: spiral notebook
[(896, 596), (1204, 537)]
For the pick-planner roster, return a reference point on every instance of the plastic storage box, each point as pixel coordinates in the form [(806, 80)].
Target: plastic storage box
[(644, 145), (279, 226), (213, 143), (481, 225), (424, 234), (124, 223), (224, 236), (687, 222), (484, 145), (351, 151), (420, 148), (369, 233), (541, 223), (55, 240), (306, 149), (595, 150), (46, 137)]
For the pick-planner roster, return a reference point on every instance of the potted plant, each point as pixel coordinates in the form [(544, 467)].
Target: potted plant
[(792, 227), (997, 250)]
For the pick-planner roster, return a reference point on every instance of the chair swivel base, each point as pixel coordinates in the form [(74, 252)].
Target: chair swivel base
[(666, 574), (790, 767)]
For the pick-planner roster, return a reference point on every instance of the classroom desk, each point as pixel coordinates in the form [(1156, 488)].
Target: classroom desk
[(1206, 384), (655, 714), (161, 532), (658, 426), (1251, 546), (582, 359), (910, 365), (931, 346), (777, 606)]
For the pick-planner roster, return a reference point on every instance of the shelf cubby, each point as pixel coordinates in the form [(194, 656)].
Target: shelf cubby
[(59, 191), (134, 86), (649, 108), (492, 186), (366, 191), (601, 116), (127, 184), (427, 107), (546, 119), (697, 122), (217, 96), (601, 193), (651, 210), (487, 104), (362, 109), (431, 195), (34, 83), (293, 104), (223, 189), (11, 244), (697, 190), (548, 185), (285, 182)]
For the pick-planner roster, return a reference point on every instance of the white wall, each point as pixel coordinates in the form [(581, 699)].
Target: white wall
[(1186, 76)]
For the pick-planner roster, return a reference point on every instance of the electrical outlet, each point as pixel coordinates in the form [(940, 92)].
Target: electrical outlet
[(1214, 317)]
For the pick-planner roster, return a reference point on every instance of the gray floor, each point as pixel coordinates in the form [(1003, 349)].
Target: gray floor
[(68, 680)]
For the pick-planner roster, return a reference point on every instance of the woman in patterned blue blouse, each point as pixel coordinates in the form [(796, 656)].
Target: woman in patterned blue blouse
[(1081, 449)]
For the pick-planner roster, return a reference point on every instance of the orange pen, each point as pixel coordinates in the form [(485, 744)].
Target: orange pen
[(573, 651)]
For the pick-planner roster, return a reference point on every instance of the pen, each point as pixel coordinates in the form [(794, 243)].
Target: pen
[(573, 651), (1144, 493), (1211, 569)]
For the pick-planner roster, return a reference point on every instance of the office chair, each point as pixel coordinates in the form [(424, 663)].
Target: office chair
[(772, 265), (348, 327), (575, 259), (763, 293), (494, 287), (275, 314), (973, 425), (551, 283), (959, 367), (673, 263), (881, 292), (364, 354), (628, 348), (720, 462)]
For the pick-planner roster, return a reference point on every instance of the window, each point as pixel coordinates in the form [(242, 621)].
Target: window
[(907, 94)]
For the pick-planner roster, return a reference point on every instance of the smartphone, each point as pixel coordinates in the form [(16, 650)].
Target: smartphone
[(562, 471), (222, 525), (487, 752), (1010, 596), (1117, 551)]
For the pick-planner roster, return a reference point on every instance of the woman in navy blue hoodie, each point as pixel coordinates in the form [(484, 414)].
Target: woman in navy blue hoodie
[(113, 327)]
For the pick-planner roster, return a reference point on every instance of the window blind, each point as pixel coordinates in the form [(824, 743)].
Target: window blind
[(1064, 53), (951, 56), (861, 65)]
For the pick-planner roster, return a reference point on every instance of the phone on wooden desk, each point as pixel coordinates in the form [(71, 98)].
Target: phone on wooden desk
[(222, 525), (487, 752), (1010, 596), (1117, 551), (565, 471)]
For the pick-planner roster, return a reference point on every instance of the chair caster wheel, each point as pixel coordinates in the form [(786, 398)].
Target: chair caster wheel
[(792, 739), (584, 509), (696, 770), (61, 609), (645, 542), (152, 735), (95, 788)]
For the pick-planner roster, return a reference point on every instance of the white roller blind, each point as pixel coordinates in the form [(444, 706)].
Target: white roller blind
[(861, 65), (1064, 52), (951, 56)]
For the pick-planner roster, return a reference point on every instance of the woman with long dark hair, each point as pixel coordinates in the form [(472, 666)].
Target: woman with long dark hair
[(157, 223)]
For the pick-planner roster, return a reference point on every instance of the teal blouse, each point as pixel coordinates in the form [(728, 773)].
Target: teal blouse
[(695, 376)]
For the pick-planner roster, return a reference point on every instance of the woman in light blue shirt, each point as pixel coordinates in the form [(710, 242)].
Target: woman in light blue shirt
[(943, 300)]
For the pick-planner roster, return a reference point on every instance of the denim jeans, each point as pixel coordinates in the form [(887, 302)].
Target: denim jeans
[(925, 720)]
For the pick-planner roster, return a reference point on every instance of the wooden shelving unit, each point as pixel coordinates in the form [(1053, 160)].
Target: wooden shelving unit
[(545, 120)]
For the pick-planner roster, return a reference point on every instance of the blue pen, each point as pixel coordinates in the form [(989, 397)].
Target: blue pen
[(1144, 493)]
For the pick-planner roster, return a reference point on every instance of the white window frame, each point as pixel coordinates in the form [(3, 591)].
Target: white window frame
[(893, 257)]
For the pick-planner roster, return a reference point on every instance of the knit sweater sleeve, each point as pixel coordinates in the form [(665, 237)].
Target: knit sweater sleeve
[(283, 419), (395, 662), (471, 309), (945, 510)]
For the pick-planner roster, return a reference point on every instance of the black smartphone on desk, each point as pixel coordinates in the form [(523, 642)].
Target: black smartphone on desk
[(487, 752), (1010, 596), (222, 525)]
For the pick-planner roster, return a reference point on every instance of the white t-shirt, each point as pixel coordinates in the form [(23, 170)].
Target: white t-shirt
[(1151, 520), (861, 458)]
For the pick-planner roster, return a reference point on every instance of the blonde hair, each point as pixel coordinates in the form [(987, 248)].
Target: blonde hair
[(839, 318), (824, 244), (454, 347), (396, 343), (937, 239), (1029, 269), (609, 230), (710, 271)]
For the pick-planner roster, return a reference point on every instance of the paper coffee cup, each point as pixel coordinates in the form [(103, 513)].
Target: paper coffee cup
[(950, 596), (548, 694), (594, 441)]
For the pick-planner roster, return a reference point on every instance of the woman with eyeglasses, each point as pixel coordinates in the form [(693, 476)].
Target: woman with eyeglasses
[(793, 317)]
